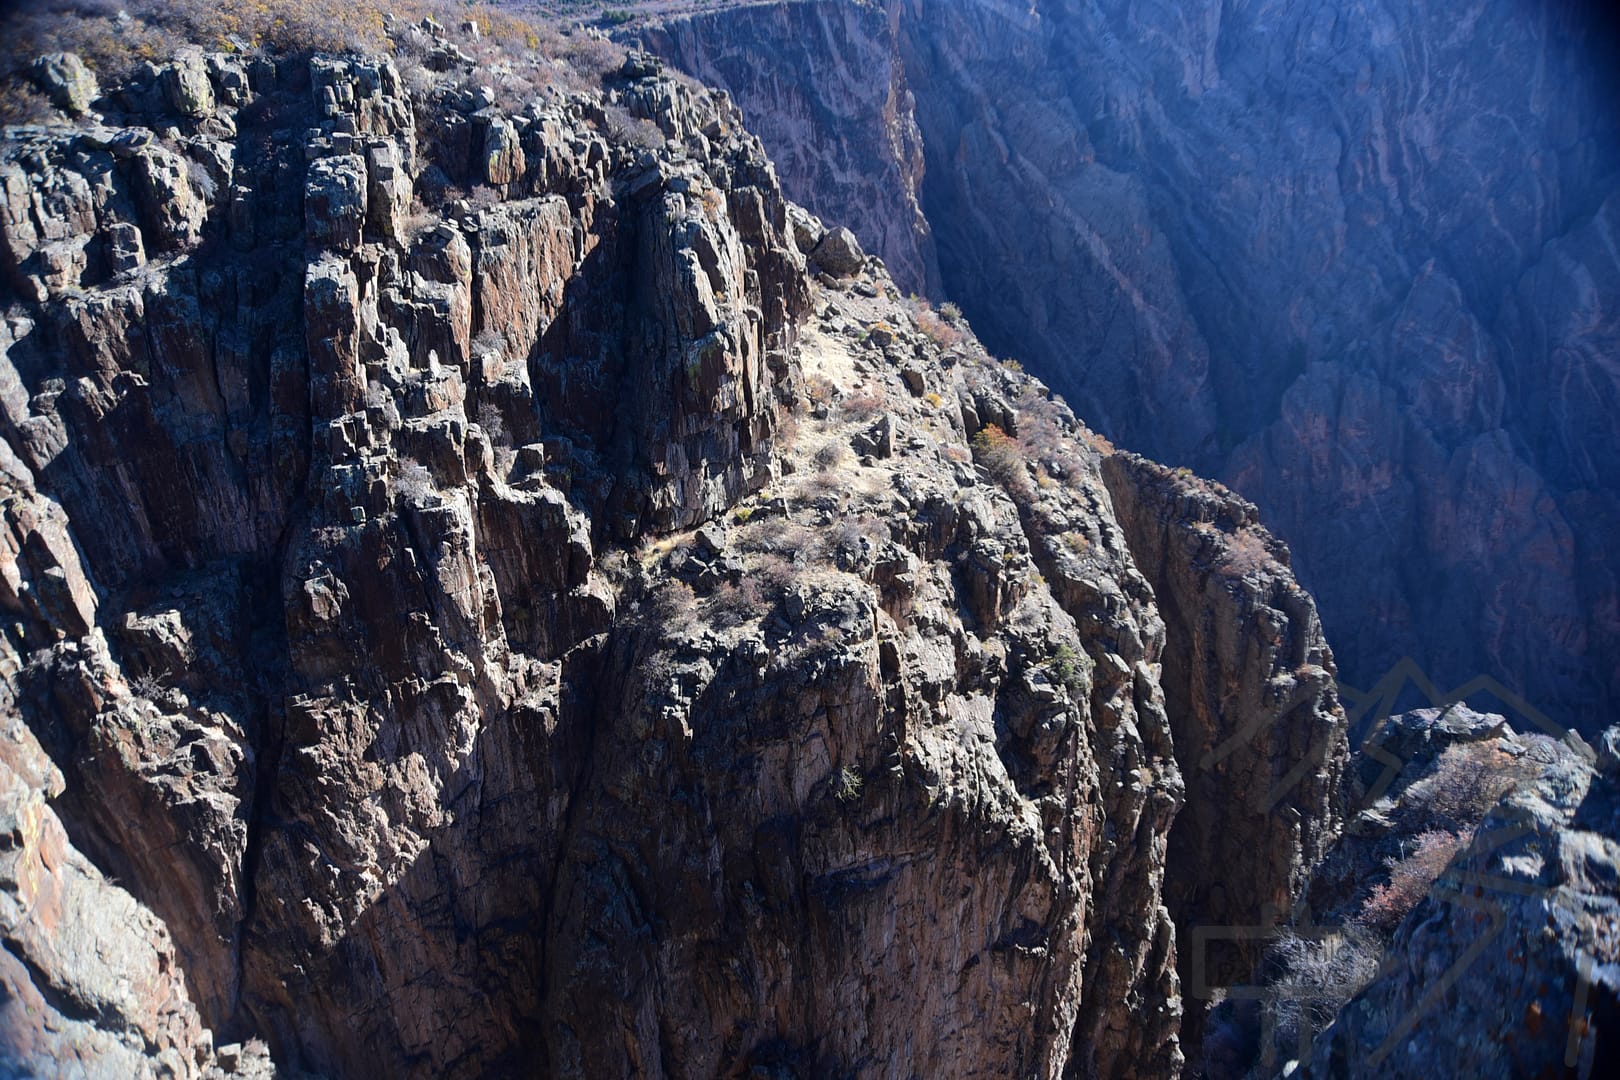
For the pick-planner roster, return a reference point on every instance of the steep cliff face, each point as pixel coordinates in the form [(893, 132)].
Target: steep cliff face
[(1249, 687), (843, 135), (478, 603), (1352, 259)]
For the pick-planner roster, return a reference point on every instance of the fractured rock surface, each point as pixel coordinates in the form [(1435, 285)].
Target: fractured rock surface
[(477, 605), (1355, 260)]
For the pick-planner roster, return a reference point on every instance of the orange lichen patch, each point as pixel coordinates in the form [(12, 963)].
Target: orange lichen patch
[(1533, 1017)]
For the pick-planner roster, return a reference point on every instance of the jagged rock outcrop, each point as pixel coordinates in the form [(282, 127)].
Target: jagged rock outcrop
[(1515, 944), (834, 107), (493, 611), (1285, 245)]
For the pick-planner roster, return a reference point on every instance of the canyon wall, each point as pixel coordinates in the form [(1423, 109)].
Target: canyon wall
[(1357, 260), (478, 601)]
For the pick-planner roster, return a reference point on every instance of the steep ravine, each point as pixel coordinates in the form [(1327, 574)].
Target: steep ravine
[(480, 603), (1356, 260)]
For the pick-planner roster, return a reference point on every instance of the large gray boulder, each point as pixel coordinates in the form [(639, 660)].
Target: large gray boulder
[(70, 84), (1511, 965), (839, 253)]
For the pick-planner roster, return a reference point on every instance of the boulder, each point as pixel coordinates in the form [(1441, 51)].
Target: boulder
[(67, 81), (839, 253)]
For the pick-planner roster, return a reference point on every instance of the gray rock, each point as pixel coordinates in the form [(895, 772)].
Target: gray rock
[(186, 84), (839, 253), (503, 161), (335, 201), (1515, 943), (1430, 360), (125, 250), (70, 84)]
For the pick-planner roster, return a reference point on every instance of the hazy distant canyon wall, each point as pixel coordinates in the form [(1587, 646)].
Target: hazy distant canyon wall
[(1357, 259)]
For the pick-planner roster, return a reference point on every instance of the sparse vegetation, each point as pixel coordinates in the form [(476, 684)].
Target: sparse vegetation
[(413, 483), (631, 130), (1068, 670), (1311, 978), (146, 685), (818, 391), (493, 423), (1077, 542), (847, 784), (940, 332), (1468, 780), (863, 405), (1409, 879), (114, 38), (1246, 551), (735, 603), (1097, 442), (489, 339), (673, 608), (1003, 458), (832, 456)]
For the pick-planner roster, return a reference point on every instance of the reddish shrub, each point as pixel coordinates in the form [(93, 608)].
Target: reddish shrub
[(1409, 879)]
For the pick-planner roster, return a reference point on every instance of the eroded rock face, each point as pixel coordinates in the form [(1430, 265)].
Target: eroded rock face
[(547, 633), (1249, 689), (1284, 245), (835, 109)]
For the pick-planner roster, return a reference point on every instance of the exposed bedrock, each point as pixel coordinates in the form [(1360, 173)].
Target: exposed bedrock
[(1356, 260)]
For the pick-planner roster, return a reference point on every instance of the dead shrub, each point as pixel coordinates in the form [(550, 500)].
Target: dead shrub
[(592, 55), (630, 130), (1002, 458), (1469, 779), (832, 456), (1246, 552), (673, 607), (1308, 979), (1097, 442), (493, 423), (775, 573), (939, 331), (818, 391), (736, 603), (777, 536), (863, 405), (413, 483)]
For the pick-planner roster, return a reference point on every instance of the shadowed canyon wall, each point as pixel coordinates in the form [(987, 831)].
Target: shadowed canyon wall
[(1356, 259)]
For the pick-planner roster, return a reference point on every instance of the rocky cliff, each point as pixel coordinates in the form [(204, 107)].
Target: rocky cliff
[(479, 602), (1508, 966), (1356, 260)]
